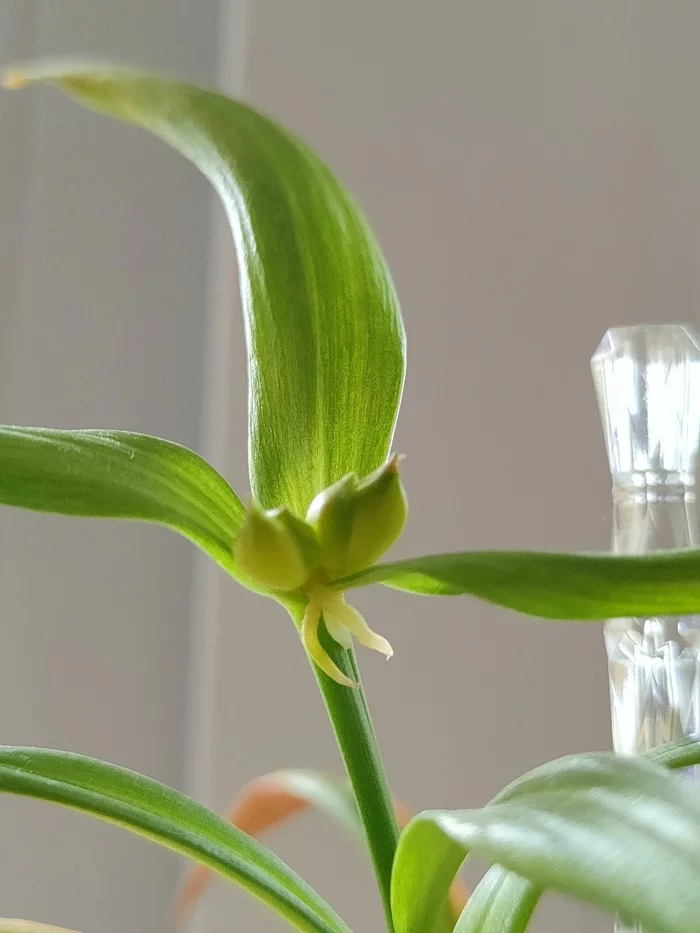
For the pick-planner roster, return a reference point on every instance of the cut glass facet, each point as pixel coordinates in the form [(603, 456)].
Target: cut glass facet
[(647, 379)]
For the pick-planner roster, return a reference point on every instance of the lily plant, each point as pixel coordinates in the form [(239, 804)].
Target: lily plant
[(326, 360)]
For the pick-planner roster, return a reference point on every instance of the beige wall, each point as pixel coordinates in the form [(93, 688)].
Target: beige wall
[(103, 265), (531, 170)]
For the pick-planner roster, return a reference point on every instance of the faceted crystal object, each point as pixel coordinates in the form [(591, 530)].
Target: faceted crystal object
[(647, 379), (648, 383)]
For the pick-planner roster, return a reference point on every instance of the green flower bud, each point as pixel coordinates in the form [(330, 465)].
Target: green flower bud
[(276, 549), (356, 522), (331, 516)]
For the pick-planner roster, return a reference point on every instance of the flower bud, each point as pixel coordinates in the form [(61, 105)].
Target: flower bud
[(356, 522), (331, 516), (276, 549)]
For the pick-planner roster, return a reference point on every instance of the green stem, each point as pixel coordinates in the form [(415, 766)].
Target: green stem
[(354, 732)]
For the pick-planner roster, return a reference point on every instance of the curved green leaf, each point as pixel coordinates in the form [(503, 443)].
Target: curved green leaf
[(502, 902), (323, 326), (620, 833), (170, 818), (552, 586), (115, 474)]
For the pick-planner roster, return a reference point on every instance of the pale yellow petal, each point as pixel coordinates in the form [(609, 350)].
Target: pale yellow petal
[(310, 639), (337, 631), (347, 616)]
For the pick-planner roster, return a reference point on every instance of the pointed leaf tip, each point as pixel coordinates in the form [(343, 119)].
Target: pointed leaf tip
[(325, 337), (118, 474)]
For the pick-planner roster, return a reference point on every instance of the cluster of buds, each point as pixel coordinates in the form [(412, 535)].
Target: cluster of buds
[(348, 526)]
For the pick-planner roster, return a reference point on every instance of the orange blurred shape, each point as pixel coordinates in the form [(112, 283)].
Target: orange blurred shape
[(263, 804)]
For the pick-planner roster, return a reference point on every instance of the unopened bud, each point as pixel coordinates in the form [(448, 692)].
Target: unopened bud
[(331, 516), (356, 522), (276, 549)]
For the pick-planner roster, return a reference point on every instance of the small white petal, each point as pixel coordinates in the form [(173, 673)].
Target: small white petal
[(337, 631), (310, 639), (347, 616)]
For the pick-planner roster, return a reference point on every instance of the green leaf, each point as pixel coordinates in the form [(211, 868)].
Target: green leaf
[(552, 586), (114, 474), (170, 818), (620, 833), (683, 753), (502, 902), (323, 326)]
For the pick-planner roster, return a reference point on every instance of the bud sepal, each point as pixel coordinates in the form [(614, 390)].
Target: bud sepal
[(356, 521), (276, 549)]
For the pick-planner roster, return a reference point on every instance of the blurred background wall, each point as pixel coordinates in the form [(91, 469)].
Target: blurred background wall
[(103, 269), (531, 172)]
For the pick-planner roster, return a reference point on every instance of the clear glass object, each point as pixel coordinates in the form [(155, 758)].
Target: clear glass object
[(647, 379)]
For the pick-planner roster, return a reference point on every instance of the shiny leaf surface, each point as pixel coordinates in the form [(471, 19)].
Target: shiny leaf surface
[(620, 833), (170, 818), (552, 586), (502, 902), (324, 332), (116, 474)]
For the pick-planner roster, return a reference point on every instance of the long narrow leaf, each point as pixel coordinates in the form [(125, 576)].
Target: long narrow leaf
[(502, 902), (170, 818), (324, 331), (552, 586), (115, 474), (620, 833)]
